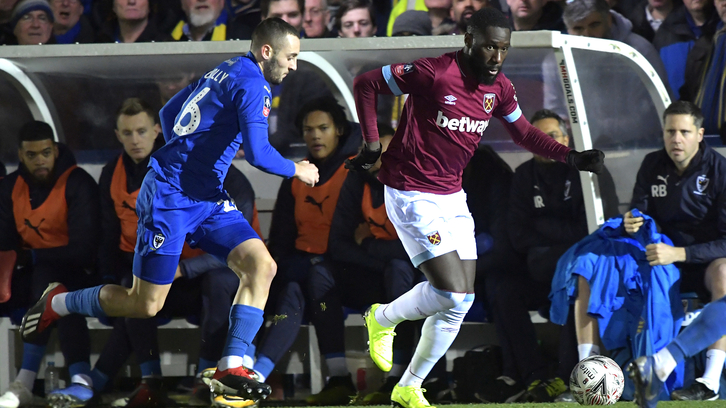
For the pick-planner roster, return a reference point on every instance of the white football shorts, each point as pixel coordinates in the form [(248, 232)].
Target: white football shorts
[(431, 225)]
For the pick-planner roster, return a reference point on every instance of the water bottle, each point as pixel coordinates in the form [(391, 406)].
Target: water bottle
[(52, 377)]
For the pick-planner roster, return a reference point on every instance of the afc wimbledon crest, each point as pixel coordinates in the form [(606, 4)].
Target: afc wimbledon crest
[(701, 184), (158, 240), (434, 238), (489, 102)]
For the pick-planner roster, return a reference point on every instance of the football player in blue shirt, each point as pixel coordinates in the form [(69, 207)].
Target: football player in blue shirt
[(182, 198)]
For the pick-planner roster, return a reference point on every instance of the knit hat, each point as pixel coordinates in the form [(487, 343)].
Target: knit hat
[(26, 6), (412, 21)]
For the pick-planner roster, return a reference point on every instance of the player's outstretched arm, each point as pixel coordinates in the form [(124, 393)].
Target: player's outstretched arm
[(307, 173), (366, 158), (262, 155), (590, 160)]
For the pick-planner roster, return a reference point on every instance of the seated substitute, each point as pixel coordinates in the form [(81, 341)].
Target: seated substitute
[(682, 187), (49, 215), (299, 233), (546, 216), (370, 265)]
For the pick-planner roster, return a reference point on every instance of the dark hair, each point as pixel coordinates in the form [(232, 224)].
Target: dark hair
[(487, 17), (348, 5), (385, 129), (685, 108), (35, 131), (134, 106), (326, 104), (272, 31), (265, 7), (548, 114), (577, 10)]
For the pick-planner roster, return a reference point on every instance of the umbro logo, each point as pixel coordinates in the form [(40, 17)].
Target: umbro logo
[(450, 100)]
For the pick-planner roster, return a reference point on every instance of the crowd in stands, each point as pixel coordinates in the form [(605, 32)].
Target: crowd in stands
[(333, 242)]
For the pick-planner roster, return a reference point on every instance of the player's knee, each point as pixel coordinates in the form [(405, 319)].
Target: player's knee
[(146, 308), (265, 269), (455, 315)]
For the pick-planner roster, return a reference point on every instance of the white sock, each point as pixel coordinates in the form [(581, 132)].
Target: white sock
[(714, 365), (58, 304), (228, 362), (586, 350), (27, 378), (422, 301), (664, 364), (248, 361), (396, 370), (337, 367), (82, 379), (437, 334), (262, 377)]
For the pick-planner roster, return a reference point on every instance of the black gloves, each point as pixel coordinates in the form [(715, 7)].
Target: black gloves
[(589, 160), (364, 160)]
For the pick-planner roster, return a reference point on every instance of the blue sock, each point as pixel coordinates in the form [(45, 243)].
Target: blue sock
[(99, 380), (32, 354), (244, 322), (251, 351), (705, 330), (204, 364), (264, 365), (79, 368), (85, 302), (151, 368)]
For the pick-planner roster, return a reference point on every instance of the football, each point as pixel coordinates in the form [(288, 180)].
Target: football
[(597, 380)]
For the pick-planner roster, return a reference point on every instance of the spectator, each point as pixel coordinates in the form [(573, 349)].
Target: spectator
[(704, 75), (32, 22), (133, 22), (611, 77), (298, 241), (546, 216), (649, 15), (71, 26), (532, 15), (316, 19), (370, 265), (137, 129), (401, 7), (6, 28), (462, 10), (206, 20), (593, 18), (682, 188), (49, 210), (412, 22), (245, 15), (291, 11), (439, 12), (678, 34), (355, 18)]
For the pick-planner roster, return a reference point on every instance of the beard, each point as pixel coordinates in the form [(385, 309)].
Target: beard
[(273, 71), (481, 71), (201, 18)]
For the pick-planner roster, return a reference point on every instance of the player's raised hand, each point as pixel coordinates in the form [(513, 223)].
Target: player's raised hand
[(307, 173), (589, 160), (367, 157)]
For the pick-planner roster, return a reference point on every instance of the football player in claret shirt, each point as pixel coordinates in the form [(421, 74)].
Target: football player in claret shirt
[(182, 198), (451, 100)]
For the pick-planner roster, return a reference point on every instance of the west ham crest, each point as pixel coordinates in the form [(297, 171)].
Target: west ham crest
[(489, 102), (434, 238), (701, 184)]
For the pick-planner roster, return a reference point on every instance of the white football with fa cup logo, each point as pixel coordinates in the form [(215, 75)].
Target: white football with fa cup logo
[(597, 380)]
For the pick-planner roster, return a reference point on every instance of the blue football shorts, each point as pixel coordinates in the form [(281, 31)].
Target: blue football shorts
[(168, 218)]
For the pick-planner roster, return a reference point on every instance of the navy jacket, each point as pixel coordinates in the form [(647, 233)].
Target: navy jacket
[(690, 208)]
